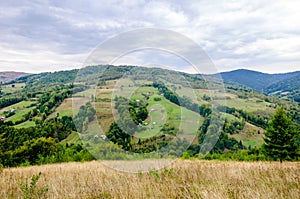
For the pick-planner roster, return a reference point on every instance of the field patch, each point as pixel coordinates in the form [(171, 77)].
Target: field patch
[(10, 88), (26, 124), (250, 136), (20, 109), (66, 107)]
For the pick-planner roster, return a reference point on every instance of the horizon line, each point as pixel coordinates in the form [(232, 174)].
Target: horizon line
[(224, 71)]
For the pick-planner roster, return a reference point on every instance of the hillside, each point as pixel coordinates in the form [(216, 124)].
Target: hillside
[(285, 85), (255, 80), (10, 75), (136, 109), (289, 88)]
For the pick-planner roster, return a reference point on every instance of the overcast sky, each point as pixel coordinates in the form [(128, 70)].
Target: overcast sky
[(38, 36)]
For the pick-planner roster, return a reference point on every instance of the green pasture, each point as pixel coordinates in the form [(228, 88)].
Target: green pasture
[(10, 89)]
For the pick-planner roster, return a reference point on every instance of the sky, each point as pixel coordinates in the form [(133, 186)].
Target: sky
[(38, 36)]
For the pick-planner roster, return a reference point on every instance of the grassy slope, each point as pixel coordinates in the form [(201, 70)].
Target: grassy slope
[(9, 89), (251, 135), (26, 124), (187, 179), (104, 108), (20, 110), (164, 110), (248, 105), (172, 112), (72, 138), (66, 107)]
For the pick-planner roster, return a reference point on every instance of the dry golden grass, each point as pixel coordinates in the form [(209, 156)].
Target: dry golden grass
[(68, 106), (187, 179)]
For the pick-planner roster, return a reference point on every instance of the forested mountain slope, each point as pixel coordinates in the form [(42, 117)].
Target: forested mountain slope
[(289, 88), (255, 80), (284, 85)]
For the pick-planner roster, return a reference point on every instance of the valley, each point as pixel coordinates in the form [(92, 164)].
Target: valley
[(162, 106), (70, 134)]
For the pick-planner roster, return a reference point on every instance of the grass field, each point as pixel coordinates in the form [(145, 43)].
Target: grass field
[(19, 105), (10, 89), (86, 93), (185, 179), (25, 124), (72, 138), (163, 112), (20, 110), (249, 105), (66, 107), (104, 108), (166, 112), (250, 136)]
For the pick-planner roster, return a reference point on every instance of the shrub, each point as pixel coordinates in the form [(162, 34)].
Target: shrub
[(1, 168), (157, 99), (30, 190)]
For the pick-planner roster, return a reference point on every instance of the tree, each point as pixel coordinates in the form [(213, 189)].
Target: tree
[(118, 136), (281, 138)]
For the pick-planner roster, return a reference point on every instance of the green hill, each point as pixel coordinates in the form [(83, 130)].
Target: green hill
[(288, 88), (139, 109), (284, 85), (255, 80)]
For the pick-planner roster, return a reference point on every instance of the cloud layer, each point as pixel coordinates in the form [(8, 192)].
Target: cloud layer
[(54, 35)]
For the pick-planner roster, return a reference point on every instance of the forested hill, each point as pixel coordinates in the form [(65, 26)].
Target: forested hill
[(284, 85), (289, 88), (256, 80)]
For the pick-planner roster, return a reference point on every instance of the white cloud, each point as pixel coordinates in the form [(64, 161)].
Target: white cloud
[(52, 35), (165, 13), (38, 61)]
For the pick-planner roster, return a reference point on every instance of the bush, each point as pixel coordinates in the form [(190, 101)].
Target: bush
[(157, 99), (1, 168), (30, 189)]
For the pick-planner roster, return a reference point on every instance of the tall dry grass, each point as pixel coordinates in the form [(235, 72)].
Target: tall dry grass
[(187, 179)]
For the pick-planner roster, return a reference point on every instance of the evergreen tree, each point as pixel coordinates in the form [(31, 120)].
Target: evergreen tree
[(118, 136), (281, 138)]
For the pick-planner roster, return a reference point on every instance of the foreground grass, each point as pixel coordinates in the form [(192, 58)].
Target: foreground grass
[(186, 179)]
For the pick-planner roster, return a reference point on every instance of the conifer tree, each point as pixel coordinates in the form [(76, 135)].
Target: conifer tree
[(281, 138)]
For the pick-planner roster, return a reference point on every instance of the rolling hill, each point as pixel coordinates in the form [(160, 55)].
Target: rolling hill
[(280, 85), (46, 110), (256, 80), (289, 88), (8, 76)]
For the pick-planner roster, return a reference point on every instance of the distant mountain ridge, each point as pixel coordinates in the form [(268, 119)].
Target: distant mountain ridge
[(289, 88), (8, 76), (281, 85), (256, 80), (286, 85)]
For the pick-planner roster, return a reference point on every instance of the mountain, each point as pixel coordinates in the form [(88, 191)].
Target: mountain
[(289, 88), (8, 76), (256, 80)]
